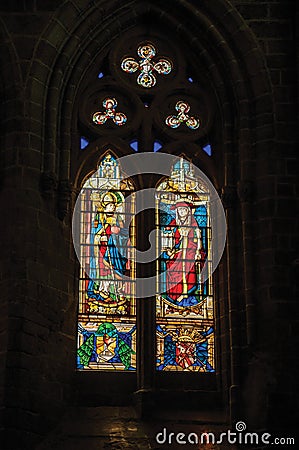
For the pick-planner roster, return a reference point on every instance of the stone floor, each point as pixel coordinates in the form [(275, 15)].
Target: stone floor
[(118, 428)]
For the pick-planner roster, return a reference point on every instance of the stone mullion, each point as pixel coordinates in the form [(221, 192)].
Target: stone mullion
[(245, 191), (146, 349), (229, 196)]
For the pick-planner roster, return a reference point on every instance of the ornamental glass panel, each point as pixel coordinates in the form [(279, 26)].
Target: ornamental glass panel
[(107, 309), (184, 303)]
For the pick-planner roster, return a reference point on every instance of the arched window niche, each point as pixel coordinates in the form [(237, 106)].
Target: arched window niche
[(168, 341)]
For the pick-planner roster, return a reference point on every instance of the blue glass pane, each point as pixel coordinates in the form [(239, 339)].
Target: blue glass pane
[(208, 149), (83, 142), (134, 145), (157, 146)]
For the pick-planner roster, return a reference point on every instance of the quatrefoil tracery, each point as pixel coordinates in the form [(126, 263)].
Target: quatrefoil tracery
[(110, 104), (175, 121), (146, 66)]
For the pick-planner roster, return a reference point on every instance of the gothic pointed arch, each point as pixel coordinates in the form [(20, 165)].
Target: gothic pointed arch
[(230, 75), (231, 70)]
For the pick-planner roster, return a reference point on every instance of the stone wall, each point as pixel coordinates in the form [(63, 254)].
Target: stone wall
[(41, 68)]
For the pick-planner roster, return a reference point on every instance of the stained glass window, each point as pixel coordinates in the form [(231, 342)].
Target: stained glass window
[(110, 113), (174, 121), (146, 102), (184, 305), (146, 65), (107, 310)]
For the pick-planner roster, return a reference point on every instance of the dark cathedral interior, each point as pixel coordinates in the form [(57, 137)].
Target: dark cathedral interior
[(83, 85)]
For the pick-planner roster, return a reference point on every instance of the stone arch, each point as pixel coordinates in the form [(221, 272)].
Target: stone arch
[(233, 58), (10, 92), (11, 120), (225, 47)]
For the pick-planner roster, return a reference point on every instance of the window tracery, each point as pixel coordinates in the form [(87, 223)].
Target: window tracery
[(145, 122)]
